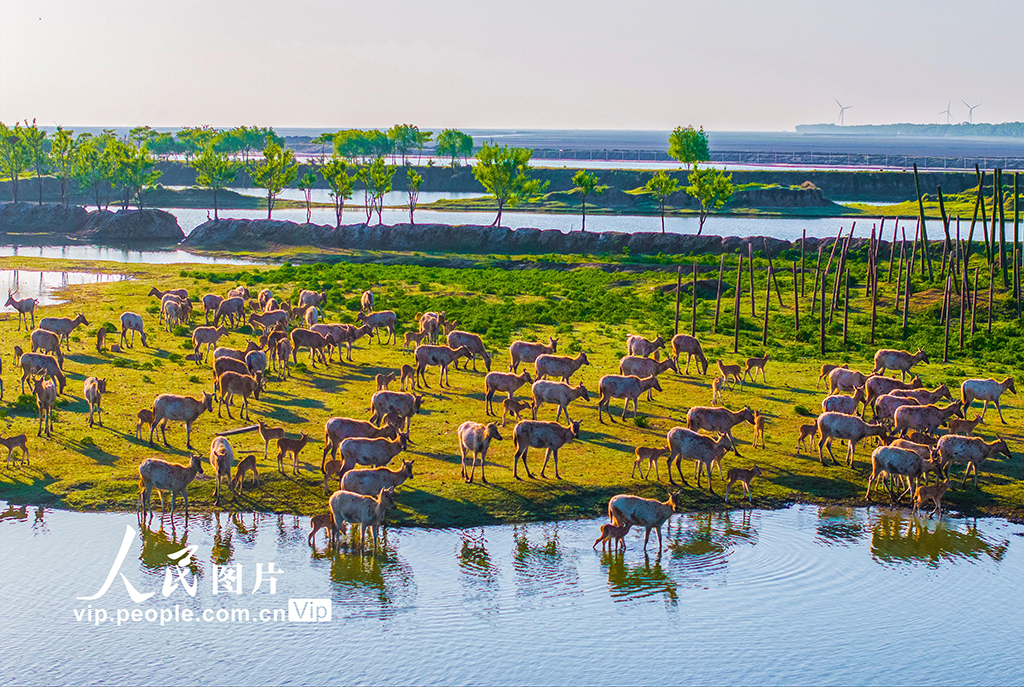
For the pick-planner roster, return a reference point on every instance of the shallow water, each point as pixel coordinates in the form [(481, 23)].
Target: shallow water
[(783, 228), (805, 595), (41, 285), (113, 254)]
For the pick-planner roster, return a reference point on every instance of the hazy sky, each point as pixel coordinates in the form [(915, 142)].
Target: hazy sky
[(736, 65)]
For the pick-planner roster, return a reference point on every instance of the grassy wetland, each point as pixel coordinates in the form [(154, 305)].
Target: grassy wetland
[(586, 308)]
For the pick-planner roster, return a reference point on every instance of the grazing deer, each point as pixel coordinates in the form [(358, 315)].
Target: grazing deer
[(717, 384), (743, 476), (101, 339), (247, 464)]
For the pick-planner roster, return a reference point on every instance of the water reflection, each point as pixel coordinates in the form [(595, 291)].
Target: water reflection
[(14, 513), (701, 542), (543, 568), (223, 549), (379, 585), (479, 572), (838, 525), (628, 582), (898, 537), (158, 544)]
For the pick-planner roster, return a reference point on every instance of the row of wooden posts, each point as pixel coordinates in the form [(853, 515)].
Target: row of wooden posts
[(954, 272)]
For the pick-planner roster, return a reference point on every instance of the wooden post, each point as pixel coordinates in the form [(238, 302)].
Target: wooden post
[(948, 245), (913, 249), (871, 261), (693, 300), (771, 271), (899, 276), (846, 307), (965, 299), (906, 298), (718, 298), (803, 245), (821, 317), (925, 255), (974, 305), (842, 268), (974, 219), (892, 250), (989, 248), (945, 345), (817, 273), (1016, 242), (874, 301), (828, 266), (736, 308), (1002, 230), (767, 305), (942, 270), (991, 289), (995, 212), (796, 304), (750, 254), (679, 288)]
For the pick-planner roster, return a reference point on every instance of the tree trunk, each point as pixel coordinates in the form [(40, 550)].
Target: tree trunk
[(583, 201), (925, 255), (693, 301), (215, 203), (736, 307), (679, 290), (718, 298), (662, 217)]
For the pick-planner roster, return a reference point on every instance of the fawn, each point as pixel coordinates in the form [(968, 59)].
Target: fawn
[(807, 433), (145, 417), (758, 428), (934, 494), (613, 534), (645, 454), (245, 465), (408, 373), (384, 379), (269, 434), (293, 446), (323, 521), (717, 384), (740, 475), (11, 443), (515, 408), (332, 468), (734, 371)]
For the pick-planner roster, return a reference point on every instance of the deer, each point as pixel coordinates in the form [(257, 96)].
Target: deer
[(547, 435), (925, 418), (614, 535), (322, 521), (807, 433), (231, 309), (934, 494), (758, 428), (474, 343), (408, 375), (164, 476), (899, 361), (717, 419), (475, 439), (211, 302), (293, 446), (386, 320), (755, 364), (131, 322), (437, 356), (370, 482), (650, 456), (383, 380), (527, 352), (986, 390), (45, 341), (208, 336), (559, 366), (63, 326), (506, 382), (247, 464), (376, 452), (145, 417), (414, 338), (101, 339), (684, 343), (717, 384), (13, 442), (969, 451), (231, 383), (627, 388), (93, 390), (845, 427), (964, 427), (364, 511), (688, 444), (826, 370), (641, 347), (38, 363), (366, 302), (634, 366), (732, 372), (174, 408), (222, 457), (46, 395), (515, 408), (404, 404), (337, 429), (557, 393), (640, 512), (269, 434), (26, 308), (743, 476)]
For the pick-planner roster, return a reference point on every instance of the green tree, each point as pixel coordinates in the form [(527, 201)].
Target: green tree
[(306, 183), (335, 173), (350, 144), (323, 139), (62, 155), (14, 156), (143, 134), (92, 167), (414, 181), (274, 172), (689, 145), (453, 144), (133, 170), (214, 170), (586, 184), (712, 188), (163, 145), (504, 173), (377, 178), (194, 139), (661, 186), (422, 139), (36, 147), (404, 138)]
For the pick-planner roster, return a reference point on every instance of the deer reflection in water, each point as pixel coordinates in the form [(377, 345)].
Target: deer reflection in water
[(479, 571), (897, 537), (378, 585), (628, 582), (546, 569), (839, 525)]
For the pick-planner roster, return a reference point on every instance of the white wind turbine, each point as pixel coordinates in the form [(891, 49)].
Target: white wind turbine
[(842, 110)]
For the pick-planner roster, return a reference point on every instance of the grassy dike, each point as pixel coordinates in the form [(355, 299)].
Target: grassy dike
[(589, 309)]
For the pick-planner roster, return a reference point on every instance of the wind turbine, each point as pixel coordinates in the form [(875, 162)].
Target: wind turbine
[(946, 112), (970, 110), (842, 109)]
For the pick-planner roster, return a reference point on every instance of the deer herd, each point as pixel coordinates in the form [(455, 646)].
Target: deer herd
[(906, 417)]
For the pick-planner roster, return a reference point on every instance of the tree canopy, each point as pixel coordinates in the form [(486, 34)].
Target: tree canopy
[(335, 173), (276, 170), (586, 183), (661, 186), (689, 145), (214, 170), (503, 171), (712, 188), (455, 145)]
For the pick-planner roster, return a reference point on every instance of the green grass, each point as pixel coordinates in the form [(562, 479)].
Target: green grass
[(585, 308)]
